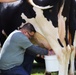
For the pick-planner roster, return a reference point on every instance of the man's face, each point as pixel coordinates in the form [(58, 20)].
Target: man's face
[(28, 34)]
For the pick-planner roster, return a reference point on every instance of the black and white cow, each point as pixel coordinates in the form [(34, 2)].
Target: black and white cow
[(48, 18), (14, 10)]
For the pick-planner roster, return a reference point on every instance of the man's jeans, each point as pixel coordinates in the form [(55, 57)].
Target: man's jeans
[(24, 69)]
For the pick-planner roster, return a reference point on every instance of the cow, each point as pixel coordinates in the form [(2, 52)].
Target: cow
[(50, 19), (61, 24)]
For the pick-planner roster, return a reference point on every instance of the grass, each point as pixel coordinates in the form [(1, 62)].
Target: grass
[(39, 69)]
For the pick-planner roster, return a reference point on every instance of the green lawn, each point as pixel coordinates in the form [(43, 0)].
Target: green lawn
[(39, 69)]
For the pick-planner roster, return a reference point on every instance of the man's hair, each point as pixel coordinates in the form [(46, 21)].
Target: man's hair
[(29, 27)]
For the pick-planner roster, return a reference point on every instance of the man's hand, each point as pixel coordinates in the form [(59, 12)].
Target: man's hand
[(51, 52)]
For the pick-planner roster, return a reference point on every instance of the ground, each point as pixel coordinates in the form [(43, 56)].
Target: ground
[(39, 69)]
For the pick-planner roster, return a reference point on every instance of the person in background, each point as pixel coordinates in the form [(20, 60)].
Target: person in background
[(17, 53)]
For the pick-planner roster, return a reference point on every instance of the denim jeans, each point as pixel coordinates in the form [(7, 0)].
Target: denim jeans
[(28, 62), (23, 69)]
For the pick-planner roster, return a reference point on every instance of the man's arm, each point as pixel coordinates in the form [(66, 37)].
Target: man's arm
[(34, 50), (8, 0)]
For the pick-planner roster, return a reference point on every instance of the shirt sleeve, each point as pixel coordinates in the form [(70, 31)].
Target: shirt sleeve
[(25, 43), (22, 41), (34, 50)]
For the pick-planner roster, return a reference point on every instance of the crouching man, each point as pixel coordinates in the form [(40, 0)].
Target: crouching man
[(17, 53)]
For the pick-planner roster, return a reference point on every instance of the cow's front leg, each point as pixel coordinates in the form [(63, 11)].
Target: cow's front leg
[(71, 71), (64, 61), (62, 65)]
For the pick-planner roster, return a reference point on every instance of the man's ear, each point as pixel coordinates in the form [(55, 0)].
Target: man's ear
[(32, 33)]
